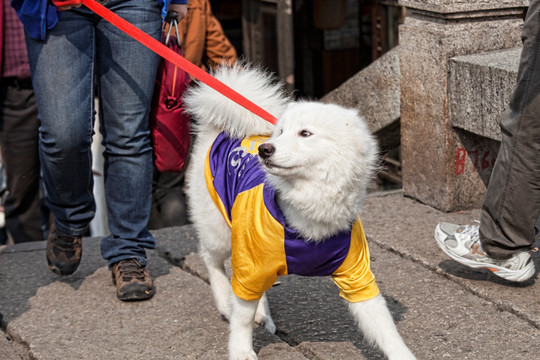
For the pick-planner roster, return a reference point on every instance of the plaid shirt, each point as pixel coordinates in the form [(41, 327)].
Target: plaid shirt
[(14, 57)]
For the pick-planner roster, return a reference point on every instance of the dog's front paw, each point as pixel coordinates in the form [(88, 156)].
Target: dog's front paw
[(244, 356)]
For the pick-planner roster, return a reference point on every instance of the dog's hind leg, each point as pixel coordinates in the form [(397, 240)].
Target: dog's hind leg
[(377, 325), (212, 230), (221, 288), (214, 253), (263, 316), (241, 329)]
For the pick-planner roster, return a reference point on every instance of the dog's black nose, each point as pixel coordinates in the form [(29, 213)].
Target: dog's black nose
[(266, 150)]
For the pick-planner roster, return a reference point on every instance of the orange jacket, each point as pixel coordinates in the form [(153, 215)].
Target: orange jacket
[(202, 38)]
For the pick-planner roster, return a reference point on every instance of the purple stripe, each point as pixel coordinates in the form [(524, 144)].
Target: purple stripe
[(315, 259), (234, 170), (309, 258)]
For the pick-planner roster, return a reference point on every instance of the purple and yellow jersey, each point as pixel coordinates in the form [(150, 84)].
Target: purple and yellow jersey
[(263, 246)]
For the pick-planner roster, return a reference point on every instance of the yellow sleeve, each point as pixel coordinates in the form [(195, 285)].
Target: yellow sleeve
[(258, 250), (354, 277)]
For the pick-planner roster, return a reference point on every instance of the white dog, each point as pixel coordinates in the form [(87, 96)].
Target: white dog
[(289, 203)]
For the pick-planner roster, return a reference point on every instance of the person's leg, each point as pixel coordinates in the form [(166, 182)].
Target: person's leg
[(62, 74), (126, 72), (168, 200), (155, 222), (512, 202), (19, 142)]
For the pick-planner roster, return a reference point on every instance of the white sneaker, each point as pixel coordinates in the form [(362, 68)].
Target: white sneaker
[(462, 243)]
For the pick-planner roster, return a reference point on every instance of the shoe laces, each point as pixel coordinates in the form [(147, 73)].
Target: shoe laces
[(65, 242), (131, 269), (470, 232)]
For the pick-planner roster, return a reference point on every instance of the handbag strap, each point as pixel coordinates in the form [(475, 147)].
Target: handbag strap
[(177, 59), (170, 19)]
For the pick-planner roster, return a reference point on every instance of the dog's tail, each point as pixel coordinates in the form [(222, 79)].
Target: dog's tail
[(209, 107)]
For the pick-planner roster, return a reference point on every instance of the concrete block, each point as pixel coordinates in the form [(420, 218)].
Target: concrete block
[(168, 327), (280, 351), (480, 87), (455, 7), (430, 146), (330, 350)]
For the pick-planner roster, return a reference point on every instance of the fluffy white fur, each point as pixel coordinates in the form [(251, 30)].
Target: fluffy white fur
[(323, 157)]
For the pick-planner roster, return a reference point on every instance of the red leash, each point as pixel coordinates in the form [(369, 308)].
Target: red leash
[(176, 59)]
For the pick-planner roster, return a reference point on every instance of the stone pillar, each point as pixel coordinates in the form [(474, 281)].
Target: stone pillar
[(437, 170)]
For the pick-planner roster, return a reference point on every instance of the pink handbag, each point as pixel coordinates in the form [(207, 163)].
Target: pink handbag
[(169, 124)]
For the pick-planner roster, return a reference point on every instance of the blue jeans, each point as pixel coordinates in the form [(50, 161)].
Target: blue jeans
[(83, 56)]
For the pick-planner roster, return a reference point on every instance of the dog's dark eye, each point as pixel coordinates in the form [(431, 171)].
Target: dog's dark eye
[(304, 133)]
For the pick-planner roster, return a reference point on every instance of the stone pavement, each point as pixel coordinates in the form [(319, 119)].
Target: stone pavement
[(442, 310)]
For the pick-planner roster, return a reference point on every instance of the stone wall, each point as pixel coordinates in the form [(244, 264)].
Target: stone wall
[(434, 155), (480, 87)]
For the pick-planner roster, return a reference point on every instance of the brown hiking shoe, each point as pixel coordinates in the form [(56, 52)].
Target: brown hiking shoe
[(63, 252), (132, 281)]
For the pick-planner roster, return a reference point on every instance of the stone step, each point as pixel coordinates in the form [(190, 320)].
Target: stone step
[(480, 86)]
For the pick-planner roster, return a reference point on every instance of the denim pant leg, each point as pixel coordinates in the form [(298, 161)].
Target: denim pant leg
[(126, 73), (78, 50), (62, 75), (512, 202)]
